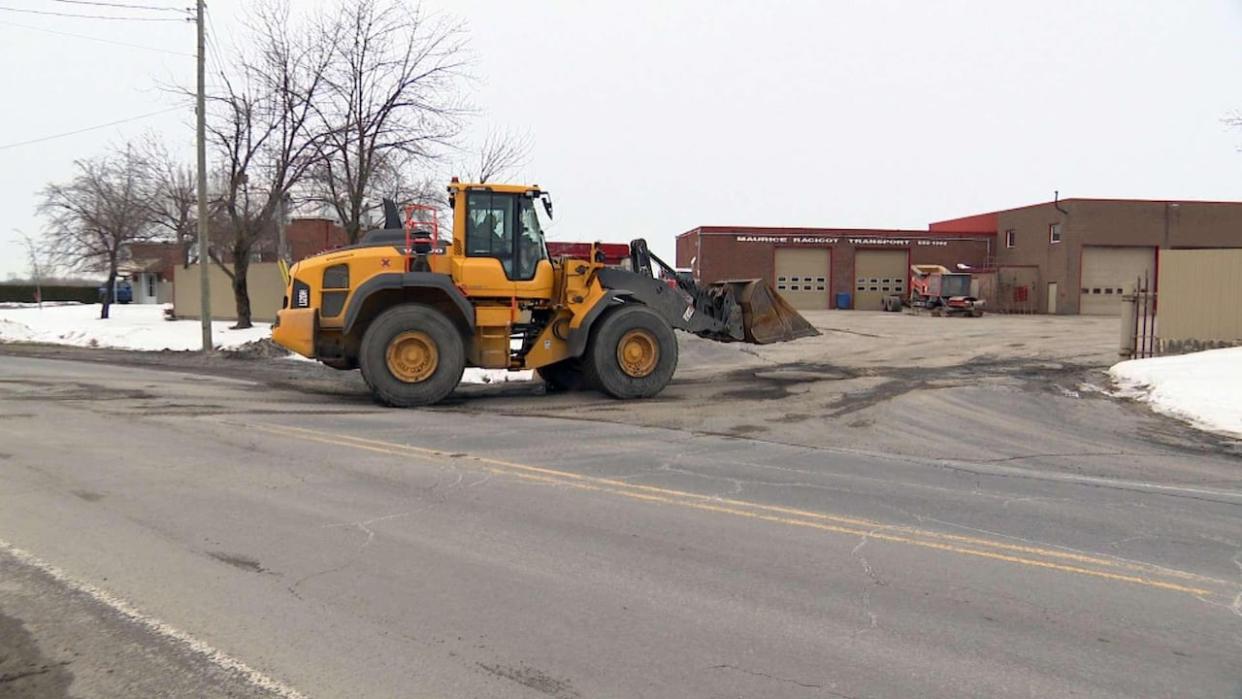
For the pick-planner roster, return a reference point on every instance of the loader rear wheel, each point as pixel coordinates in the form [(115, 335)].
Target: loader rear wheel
[(632, 353), (565, 375), (411, 355)]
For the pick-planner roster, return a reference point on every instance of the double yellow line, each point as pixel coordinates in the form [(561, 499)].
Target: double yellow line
[(1064, 561)]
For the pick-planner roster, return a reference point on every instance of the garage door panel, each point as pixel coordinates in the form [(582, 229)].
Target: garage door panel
[(802, 277), (1110, 272), (877, 274)]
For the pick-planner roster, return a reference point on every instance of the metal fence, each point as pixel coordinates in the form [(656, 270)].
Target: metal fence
[(1139, 337)]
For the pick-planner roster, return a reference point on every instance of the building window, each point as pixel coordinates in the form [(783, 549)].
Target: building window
[(1011, 238), (1054, 233)]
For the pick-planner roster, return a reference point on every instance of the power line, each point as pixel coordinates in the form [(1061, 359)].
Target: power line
[(214, 55), (95, 38), (213, 44), (89, 128), (126, 6), (80, 16)]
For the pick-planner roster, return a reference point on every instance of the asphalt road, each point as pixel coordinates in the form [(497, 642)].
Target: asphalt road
[(167, 533)]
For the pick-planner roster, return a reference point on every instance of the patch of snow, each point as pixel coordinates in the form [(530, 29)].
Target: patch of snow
[(1091, 388), (131, 327), (1203, 388), (295, 357), (143, 327), (473, 375), (46, 304)]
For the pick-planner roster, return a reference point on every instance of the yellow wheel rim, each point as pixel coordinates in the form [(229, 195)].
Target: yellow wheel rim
[(412, 356), (638, 353)]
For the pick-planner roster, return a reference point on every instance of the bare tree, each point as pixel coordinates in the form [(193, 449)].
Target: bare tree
[(263, 128), (174, 200), (40, 263), (502, 153), (96, 214), (395, 182), (391, 103)]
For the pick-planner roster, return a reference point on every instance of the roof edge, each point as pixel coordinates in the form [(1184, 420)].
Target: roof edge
[(1070, 200), (800, 230)]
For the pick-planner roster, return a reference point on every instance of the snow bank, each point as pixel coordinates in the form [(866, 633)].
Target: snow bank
[(131, 327), (1204, 388), (143, 327), (46, 304)]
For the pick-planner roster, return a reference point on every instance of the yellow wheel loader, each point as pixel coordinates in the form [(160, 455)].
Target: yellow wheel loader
[(411, 309)]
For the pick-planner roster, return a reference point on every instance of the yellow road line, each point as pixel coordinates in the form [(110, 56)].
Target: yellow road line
[(869, 525), (963, 545)]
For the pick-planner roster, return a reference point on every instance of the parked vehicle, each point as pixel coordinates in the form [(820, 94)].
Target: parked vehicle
[(937, 289), (123, 292)]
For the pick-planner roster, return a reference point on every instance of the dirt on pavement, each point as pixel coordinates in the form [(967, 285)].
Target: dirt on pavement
[(1032, 389)]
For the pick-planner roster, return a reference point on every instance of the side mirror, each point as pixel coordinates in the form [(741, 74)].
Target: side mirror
[(547, 204)]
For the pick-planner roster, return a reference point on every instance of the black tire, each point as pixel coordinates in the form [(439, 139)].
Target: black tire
[(565, 375), (601, 363), (432, 326)]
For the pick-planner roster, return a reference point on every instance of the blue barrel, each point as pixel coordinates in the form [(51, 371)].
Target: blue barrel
[(843, 300)]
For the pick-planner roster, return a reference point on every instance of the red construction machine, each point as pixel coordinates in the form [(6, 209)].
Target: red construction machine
[(939, 290)]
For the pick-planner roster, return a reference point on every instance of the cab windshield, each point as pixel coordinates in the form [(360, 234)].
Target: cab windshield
[(505, 226)]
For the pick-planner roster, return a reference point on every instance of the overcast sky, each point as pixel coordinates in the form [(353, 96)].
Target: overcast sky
[(652, 117)]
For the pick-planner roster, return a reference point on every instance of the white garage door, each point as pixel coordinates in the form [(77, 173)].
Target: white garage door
[(1107, 273), (878, 274), (802, 277)]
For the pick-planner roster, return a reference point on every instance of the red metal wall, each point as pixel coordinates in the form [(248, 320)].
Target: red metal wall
[(979, 223), (613, 252)]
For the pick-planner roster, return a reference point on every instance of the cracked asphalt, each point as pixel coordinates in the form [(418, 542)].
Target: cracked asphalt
[(235, 528)]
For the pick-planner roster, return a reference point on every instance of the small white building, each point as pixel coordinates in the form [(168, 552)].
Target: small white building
[(149, 268)]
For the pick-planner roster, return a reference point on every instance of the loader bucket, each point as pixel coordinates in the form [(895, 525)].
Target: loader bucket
[(766, 317)]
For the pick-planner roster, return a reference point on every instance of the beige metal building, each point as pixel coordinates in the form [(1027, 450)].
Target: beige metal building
[(266, 286), (1197, 300)]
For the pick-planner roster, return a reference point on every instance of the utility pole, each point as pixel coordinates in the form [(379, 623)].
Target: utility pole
[(204, 259)]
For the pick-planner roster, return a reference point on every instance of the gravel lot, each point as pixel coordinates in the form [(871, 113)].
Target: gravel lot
[(1032, 389)]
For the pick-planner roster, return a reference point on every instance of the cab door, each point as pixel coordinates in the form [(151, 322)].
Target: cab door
[(533, 273), (504, 252)]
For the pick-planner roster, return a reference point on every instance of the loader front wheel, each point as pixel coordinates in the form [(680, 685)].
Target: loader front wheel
[(411, 355), (632, 353)]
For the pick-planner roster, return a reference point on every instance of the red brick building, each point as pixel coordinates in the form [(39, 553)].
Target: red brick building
[(818, 268), (1080, 256), (311, 236), (1066, 256)]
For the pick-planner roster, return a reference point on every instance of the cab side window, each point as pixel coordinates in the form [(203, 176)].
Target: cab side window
[(490, 227), (530, 242)]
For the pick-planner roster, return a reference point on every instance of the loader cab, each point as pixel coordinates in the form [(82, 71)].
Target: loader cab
[(498, 241)]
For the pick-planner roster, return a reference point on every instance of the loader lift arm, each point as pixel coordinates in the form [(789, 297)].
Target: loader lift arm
[(739, 310)]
